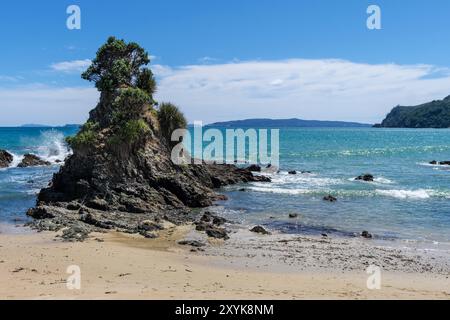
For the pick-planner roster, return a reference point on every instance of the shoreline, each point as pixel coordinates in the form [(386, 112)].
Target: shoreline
[(248, 266)]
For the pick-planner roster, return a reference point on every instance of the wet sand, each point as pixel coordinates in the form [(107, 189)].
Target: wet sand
[(248, 266)]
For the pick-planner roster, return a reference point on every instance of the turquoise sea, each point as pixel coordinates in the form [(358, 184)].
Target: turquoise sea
[(408, 201)]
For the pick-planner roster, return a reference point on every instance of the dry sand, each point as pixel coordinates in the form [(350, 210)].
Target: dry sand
[(119, 266)]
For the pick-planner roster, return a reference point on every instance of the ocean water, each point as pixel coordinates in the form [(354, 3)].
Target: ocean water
[(408, 201), (19, 186)]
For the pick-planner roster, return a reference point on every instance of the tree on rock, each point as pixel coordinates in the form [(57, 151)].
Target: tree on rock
[(119, 64)]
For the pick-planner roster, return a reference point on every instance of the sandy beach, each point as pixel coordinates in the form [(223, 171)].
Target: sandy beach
[(120, 266)]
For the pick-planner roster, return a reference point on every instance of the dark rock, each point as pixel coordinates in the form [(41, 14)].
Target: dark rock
[(210, 218), (259, 229), (192, 243), (99, 204), (324, 235), (58, 161), (5, 159), (201, 226), (148, 225), (76, 233), (434, 162), (329, 198), (242, 190), (366, 234), (31, 160), (254, 168), (75, 206), (444, 163), (293, 215), (269, 166), (365, 177), (292, 172), (218, 233)]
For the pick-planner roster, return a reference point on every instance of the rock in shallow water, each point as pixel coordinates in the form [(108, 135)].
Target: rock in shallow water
[(365, 177), (5, 159), (259, 229), (330, 198), (366, 234), (31, 160)]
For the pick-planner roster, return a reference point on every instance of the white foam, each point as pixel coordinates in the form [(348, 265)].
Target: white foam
[(53, 148), (278, 190), (16, 160), (406, 194)]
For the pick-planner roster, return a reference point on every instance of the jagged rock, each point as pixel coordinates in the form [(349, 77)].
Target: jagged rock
[(254, 168), (259, 229), (5, 159), (115, 179), (31, 160), (77, 232), (218, 233), (329, 198), (366, 234), (192, 243), (215, 220), (365, 177)]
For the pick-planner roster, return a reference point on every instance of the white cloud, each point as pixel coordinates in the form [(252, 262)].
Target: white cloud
[(46, 105), (71, 66), (311, 89), (308, 89)]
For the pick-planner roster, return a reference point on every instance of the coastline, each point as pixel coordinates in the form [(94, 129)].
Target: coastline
[(248, 266)]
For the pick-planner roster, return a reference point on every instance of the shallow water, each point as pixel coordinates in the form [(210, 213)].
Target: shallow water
[(19, 186), (409, 199)]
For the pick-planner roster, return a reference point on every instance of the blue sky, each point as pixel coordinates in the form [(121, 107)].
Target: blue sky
[(224, 60)]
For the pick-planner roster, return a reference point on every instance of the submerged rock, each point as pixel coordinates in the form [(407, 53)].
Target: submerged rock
[(366, 234), (192, 243), (261, 230), (365, 177), (330, 198), (293, 215), (5, 159), (254, 168), (31, 160)]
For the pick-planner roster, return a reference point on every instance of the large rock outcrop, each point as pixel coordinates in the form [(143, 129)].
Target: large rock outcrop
[(121, 174)]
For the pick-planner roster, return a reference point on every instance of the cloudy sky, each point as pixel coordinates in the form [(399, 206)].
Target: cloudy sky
[(228, 60)]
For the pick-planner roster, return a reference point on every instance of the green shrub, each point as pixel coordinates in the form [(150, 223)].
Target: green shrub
[(170, 118), (129, 105), (130, 132), (87, 136)]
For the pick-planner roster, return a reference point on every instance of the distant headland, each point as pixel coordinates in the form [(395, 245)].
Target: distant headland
[(434, 114), (288, 123)]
